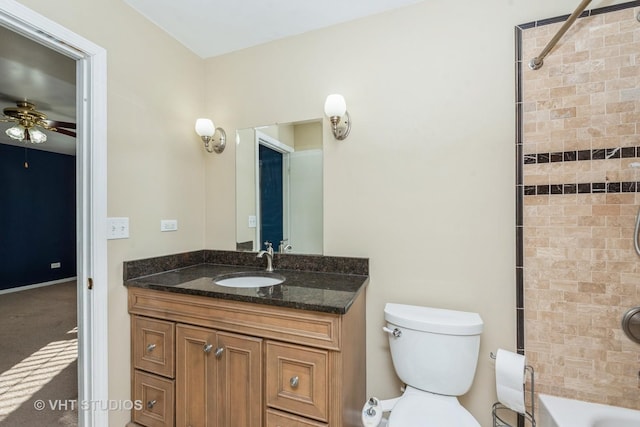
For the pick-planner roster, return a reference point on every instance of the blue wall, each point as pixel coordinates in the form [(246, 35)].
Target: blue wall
[(37, 216)]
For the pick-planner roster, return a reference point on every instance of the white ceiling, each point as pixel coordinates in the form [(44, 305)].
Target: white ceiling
[(30, 71), (215, 27)]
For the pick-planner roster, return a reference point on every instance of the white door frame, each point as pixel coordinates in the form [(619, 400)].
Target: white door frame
[(91, 199)]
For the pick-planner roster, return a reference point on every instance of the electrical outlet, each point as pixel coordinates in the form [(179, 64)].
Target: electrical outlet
[(168, 225), (253, 221)]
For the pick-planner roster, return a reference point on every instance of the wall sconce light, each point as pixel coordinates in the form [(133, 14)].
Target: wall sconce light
[(335, 108), (215, 139)]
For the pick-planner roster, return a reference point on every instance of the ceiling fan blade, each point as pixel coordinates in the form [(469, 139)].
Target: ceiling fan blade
[(65, 132), (58, 124)]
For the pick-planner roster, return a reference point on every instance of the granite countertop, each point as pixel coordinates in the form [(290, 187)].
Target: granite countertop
[(324, 284)]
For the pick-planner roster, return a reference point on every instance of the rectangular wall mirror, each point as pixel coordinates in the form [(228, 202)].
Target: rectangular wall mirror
[(279, 188)]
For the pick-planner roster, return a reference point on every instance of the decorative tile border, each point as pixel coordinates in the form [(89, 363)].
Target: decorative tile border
[(580, 155), (582, 188), (577, 156), (591, 12)]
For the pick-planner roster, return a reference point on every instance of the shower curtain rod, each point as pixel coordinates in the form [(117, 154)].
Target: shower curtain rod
[(537, 62)]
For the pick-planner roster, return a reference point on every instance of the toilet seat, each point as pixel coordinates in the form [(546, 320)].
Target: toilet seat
[(422, 409)]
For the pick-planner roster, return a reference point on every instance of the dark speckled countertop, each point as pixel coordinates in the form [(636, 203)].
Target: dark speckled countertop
[(315, 283)]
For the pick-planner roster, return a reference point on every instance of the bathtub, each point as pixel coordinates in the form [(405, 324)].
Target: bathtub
[(560, 412)]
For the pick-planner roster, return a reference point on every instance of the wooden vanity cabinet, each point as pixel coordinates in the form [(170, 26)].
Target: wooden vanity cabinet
[(239, 364)]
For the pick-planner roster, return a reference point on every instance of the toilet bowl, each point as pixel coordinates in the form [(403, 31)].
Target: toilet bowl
[(417, 408), (435, 353)]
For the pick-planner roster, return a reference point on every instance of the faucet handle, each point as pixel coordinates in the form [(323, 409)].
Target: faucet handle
[(284, 247), (268, 244)]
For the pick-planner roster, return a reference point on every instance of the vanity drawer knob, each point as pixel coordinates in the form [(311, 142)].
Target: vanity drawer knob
[(151, 403), (294, 381), (208, 348), (219, 352), (150, 348)]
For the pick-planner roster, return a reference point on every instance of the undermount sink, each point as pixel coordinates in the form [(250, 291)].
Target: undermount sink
[(248, 279)]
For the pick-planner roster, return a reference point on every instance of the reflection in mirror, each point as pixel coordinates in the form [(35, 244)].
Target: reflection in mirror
[(279, 188)]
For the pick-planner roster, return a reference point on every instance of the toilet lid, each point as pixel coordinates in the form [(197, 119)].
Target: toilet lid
[(424, 411)]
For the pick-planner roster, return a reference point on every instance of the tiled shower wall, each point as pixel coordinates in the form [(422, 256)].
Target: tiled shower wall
[(578, 135)]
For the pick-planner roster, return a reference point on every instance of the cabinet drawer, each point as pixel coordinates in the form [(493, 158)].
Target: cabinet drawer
[(297, 379), (157, 400), (281, 419), (153, 345)]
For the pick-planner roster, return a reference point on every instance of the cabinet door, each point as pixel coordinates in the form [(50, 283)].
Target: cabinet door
[(239, 381), (195, 377)]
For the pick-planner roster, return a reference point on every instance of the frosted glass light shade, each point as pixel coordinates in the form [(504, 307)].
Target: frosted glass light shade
[(15, 132), (335, 105), (37, 137), (205, 127)]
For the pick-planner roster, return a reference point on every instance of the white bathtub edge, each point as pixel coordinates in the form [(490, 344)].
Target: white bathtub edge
[(557, 411)]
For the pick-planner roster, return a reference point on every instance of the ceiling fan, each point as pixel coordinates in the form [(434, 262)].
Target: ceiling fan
[(27, 121)]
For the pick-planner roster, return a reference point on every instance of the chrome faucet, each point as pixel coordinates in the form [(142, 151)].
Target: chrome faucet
[(269, 253)]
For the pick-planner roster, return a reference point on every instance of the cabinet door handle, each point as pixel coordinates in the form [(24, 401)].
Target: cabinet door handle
[(151, 403), (294, 381), (207, 348), (150, 348), (219, 352)]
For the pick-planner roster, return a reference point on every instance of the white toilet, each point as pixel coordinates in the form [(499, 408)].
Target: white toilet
[(435, 353)]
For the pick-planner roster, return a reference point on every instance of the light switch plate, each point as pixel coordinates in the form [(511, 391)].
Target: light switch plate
[(118, 228), (168, 225)]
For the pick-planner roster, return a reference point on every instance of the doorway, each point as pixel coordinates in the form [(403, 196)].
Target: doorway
[(272, 190), (91, 173), (271, 195)]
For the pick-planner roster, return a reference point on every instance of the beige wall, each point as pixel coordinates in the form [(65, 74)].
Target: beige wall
[(155, 164), (308, 136), (246, 185), (581, 272), (423, 186)]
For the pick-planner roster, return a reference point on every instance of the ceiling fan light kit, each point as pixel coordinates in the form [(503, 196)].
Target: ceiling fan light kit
[(36, 136), (27, 121), (15, 132)]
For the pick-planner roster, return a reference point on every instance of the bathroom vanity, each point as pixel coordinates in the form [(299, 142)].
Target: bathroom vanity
[(286, 355)]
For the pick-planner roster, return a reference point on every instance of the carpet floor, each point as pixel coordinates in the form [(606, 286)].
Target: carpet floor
[(38, 357)]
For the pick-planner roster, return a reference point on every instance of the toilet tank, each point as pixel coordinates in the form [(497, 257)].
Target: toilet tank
[(437, 349)]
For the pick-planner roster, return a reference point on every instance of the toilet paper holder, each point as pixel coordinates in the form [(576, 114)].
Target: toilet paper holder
[(498, 408)]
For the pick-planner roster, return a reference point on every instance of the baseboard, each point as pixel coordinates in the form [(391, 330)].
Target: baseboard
[(36, 285)]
